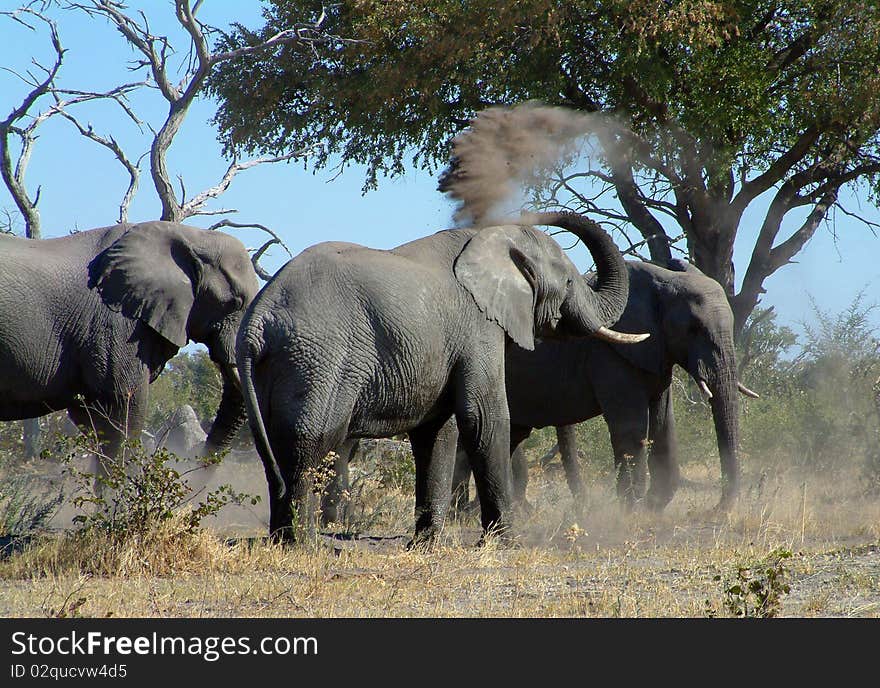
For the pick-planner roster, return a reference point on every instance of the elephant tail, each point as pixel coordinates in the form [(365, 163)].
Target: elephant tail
[(246, 357)]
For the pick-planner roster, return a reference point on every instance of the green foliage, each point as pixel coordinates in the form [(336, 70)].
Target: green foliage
[(24, 508), (26, 504), (758, 587), (188, 378), (744, 78), (140, 491)]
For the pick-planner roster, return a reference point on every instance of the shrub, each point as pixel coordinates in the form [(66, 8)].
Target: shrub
[(140, 516), (25, 510), (758, 588), (140, 490)]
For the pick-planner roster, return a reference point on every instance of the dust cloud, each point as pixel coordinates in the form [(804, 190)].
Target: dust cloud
[(506, 149)]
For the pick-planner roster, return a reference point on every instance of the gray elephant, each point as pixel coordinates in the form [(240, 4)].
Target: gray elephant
[(565, 382), (348, 342), (88, 320)]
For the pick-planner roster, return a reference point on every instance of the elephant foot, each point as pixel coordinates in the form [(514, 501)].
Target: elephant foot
[(725, 505), (293, 534), (465, 509), (657, 502), (499, 534), (524, 508), (499, 539), (424, 540), (283, 536), (331, 515)]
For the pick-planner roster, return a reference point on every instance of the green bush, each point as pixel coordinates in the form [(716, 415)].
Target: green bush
[(141, 490), (188, 378), (25, 509)]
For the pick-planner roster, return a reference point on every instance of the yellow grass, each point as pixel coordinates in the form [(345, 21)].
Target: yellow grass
[(603, 563)]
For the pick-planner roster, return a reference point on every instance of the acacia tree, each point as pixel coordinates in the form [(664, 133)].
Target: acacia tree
[(710, 105)]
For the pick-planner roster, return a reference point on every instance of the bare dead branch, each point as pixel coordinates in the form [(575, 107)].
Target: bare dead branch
[(155, 51), (195, 206), (256, 253), (110, 143), (14, 178), (871, 225)]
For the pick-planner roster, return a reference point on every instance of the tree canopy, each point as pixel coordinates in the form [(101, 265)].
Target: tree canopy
[(710, 103)]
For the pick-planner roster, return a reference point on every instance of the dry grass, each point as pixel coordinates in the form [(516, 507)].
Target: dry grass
[(604, 563)]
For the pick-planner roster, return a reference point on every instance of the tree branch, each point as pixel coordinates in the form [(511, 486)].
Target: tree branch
[(194, 207), (258, 253), (777, 170)]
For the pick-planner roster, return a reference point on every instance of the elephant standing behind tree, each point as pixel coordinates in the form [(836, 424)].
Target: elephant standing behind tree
[(348, 342), (563, 382), (88, 320)]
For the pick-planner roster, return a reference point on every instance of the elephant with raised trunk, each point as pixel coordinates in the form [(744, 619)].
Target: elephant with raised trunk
[(565, 382), (88, 320), (348, 342)]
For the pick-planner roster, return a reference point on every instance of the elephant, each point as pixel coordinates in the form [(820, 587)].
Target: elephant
[(349, 342), (88, 320), (564, 382)]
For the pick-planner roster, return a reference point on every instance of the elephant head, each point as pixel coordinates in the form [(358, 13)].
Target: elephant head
[(691, 325), (186, 284), (522, 279)]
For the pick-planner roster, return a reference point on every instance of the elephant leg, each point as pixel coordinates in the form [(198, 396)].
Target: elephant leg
[(434, 449), (484, 428), (566, 437), (333, 498), (299, 444), (461, 478), (628, 427), (519, 467), (292, 515), (663, 454)]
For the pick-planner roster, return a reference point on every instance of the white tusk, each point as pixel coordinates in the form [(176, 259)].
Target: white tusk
[(746, 391), (619, 337), (704, 388), (236, 378)]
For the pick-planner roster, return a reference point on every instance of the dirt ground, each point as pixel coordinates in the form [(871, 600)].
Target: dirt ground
[(601, 562)]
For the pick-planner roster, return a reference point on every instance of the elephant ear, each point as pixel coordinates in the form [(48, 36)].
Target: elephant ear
[(147, 274), (500, 277), (644, 312)]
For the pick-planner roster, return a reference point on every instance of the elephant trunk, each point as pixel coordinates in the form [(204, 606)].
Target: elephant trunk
[(717, 374), (725, 413), (231, 414), (594, 308)]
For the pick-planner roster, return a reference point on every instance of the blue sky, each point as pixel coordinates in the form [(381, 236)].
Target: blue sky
[(81, 184)]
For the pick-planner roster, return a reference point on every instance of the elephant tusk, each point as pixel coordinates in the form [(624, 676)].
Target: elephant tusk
[(704, 388), (619, 337), (746, 391)]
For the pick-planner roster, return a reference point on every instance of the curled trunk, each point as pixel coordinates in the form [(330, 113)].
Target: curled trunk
[(602, 304)]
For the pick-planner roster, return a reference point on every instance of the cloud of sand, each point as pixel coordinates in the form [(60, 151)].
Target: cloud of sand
[(506, 149)]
